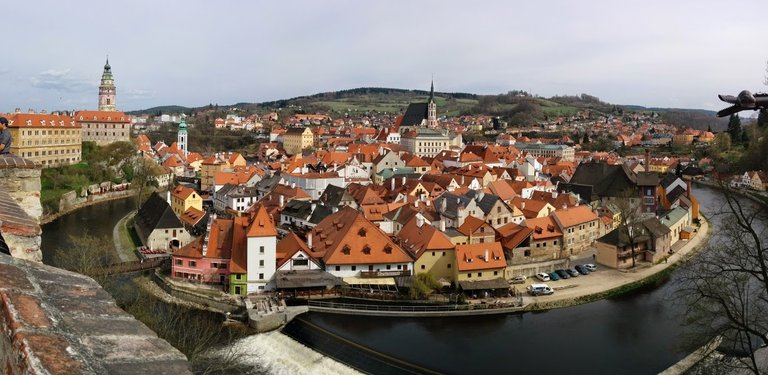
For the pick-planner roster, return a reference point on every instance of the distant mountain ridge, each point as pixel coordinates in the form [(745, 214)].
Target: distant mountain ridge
[(516, 107)]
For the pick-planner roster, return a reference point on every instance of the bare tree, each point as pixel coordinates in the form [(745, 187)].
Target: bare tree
[(144, 172), (628, 205), (726, 286), (87, 255)]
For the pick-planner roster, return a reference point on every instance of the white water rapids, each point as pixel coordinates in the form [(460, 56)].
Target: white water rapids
[(278, 354)]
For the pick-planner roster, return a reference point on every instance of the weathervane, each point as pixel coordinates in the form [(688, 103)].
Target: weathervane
[(744, 101)]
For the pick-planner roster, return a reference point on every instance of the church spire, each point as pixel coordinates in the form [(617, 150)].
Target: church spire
[(432, 107)]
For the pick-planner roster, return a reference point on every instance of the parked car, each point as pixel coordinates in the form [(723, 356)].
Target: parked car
[(572, 272), (518, 279), (582, 270), (539, 289), (590, 267), (554, 276), (563, 274), (542, 276)]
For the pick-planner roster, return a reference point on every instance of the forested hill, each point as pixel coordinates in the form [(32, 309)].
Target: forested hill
[(518, 108)]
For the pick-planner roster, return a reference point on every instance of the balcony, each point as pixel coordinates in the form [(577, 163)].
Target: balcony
[(374, 274)]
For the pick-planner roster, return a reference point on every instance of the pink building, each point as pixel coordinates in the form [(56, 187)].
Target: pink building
[(206, 259)]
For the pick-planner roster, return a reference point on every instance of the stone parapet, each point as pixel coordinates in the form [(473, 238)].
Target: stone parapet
[(20, 178), (20, 208), (57, 322)]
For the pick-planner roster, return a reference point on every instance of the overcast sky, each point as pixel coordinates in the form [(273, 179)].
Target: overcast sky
[(652, 53)]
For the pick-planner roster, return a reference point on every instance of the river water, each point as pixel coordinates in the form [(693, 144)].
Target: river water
[(639, 333)]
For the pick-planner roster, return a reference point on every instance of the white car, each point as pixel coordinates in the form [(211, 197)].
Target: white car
[(539, 290), (590, 267), (542, 276)]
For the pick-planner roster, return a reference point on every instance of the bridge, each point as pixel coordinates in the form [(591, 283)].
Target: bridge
[(163, 263)]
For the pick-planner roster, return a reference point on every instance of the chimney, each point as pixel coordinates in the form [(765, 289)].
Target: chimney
[(168, 196), (393, 184), (31, 111), (309, 240), (647, 160), (443, 205), (403, 180), (419, 221), (428, 202), (522, 205), (442, 225), (281, 201), (688, 187), (18, 110), (293, 185), (486, 255), (313, 206), (416, 203)]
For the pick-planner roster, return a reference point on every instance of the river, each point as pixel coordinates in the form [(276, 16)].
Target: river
[(638, 333)]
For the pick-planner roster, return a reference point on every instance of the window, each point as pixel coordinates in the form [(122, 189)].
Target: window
[(389, 267), (354, 268), (495, 273), (179, 262), (261, 263), (261, 249), (261, 276), (338, 268), (433, 253), (238, 276), (192, 263), (527, 253), (479, 274), (399, 266), (469, 275), (449, 265), (424, 267), (214, 265)]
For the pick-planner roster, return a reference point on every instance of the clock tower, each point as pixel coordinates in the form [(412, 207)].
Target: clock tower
[(107, 90)]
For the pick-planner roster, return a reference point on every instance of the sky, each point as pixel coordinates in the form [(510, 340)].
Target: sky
[(166, 52)]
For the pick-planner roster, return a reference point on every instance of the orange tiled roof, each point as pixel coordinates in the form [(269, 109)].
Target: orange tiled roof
[(346, 237), (102, 116), (575, 216), (37, 120), (262, 224), (543, 228), (418, 240), (473, 257), (182, 192)]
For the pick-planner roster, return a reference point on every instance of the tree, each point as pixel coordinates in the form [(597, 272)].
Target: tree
[(726, 286), (144, 172), (630, 228), (423, 285), (734, 127), (87, 255)]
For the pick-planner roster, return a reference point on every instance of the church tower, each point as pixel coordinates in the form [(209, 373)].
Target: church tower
[(107, 90), (432, 108), (181, 138)]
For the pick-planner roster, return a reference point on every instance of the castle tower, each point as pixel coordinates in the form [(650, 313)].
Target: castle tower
[(432, 108), (107, 90), (181, 138)]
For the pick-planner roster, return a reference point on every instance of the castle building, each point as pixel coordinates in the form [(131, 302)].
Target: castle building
[(49, 140), (107, 125)]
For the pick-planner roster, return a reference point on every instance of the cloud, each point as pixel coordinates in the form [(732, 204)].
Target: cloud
[(4, 71), (139, 94), (60, 80)]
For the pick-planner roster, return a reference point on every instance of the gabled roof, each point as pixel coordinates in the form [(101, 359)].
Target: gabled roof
[(473, 257), (543, 228), (574, 216), (452, 204), (192, 216), (414, 114), (298, 209), (347, 237), (419, 239), (262, 224), (607, 180), (471, 225), (512, 235), (291, 245), (334, 195), (156, 213), (182, 192), (239, 262)]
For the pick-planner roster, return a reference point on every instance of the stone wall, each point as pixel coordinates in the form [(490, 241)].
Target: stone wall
[(20, 208), (58, 322)]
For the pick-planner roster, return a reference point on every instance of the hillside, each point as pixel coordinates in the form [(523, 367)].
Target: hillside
[(517, 108)]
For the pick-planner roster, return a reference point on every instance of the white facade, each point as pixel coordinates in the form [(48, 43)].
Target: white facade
[(353, 270), (262, 261), (299, 261)]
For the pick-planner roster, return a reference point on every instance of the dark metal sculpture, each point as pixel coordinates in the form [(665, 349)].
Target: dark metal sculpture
[(744, 101)]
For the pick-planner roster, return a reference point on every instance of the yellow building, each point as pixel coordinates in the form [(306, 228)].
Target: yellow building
[(297, 139), (217, 163), (478, 262), (432, 249), (49, 140), (184, 198)]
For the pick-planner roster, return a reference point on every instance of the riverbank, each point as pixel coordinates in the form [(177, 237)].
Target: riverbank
[(85, 202), (605, 282)]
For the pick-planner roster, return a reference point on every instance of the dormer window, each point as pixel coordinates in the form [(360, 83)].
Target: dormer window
[(388, 249), (361, 232), (367, 250), (346, 250)]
